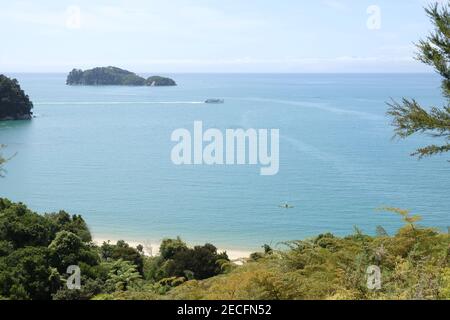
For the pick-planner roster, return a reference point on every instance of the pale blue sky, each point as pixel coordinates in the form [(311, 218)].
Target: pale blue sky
[(211, 35)]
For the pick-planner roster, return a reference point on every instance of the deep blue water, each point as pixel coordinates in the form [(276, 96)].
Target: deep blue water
[(104, 152)]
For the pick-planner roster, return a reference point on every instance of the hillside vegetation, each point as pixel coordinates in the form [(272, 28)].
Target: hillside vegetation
[(14, 103), (414, 264), (36, 251)]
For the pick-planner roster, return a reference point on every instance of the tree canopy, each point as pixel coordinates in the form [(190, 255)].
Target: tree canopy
[(36, 251), (414, 264)]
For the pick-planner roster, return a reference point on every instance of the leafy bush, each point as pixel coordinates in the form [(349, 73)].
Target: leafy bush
[(414, 264), (36, 250)]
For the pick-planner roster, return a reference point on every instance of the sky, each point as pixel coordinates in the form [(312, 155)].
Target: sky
[(213, 35)]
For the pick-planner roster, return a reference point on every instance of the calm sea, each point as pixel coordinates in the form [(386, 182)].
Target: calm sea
[(104, 152)]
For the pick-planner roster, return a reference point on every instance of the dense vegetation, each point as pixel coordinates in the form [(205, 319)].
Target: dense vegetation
[(414, 263), (36, 250), (14, 103), (114, 76), (408, 116)]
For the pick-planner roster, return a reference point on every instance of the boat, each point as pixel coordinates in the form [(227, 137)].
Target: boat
[(286, 206), (214, 101)]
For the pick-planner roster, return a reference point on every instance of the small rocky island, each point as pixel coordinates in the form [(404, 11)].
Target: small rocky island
[(106, 76), (14, 103)]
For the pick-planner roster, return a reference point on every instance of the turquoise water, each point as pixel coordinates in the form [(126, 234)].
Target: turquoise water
[(104, 152)]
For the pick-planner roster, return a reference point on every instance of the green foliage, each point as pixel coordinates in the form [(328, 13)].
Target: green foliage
[(170, 247), (409, 219), (6, 247), (14, 103), (68, 249), (89, 288), (122, 251), (21, 227), (435, 50), (122, 275), (129, 295), (259, 255), (65, 244), (104, 76), (35, 251), (414, 264), (408, 116), (381, 232), (267, 249), (26, 274), (74, 224), (178, 260), (201, 262), (114, 76)]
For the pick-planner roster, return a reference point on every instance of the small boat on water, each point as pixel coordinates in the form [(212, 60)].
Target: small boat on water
[(214, 101)]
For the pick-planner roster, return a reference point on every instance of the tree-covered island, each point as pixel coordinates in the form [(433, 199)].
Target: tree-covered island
[(104, 76), (14, 103)]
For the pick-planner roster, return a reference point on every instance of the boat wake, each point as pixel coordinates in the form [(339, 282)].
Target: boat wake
[(320, 106)]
